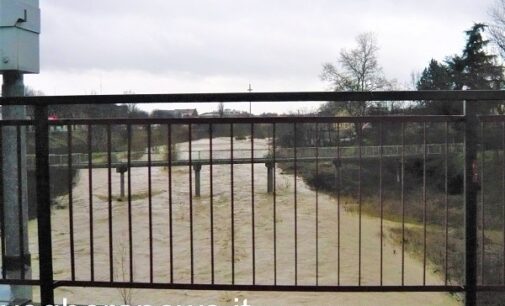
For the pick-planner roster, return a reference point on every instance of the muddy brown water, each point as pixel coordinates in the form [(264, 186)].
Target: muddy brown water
[(264, 241)]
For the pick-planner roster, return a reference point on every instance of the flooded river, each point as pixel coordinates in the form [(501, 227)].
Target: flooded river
[(324, 261)]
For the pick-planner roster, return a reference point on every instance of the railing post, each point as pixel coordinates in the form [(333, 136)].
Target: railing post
[(43, 205), (471, 188)]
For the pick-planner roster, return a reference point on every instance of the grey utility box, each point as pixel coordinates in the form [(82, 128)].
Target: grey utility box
[(19, 35)]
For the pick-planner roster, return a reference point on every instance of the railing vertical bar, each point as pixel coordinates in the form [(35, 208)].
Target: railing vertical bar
[(22, 250), (109, 194), (482, 200), (90, 194), (446, 190), (471, 187), (170, 201), (337, 183), (211, 173), (43, 205), (402, 200), (381, 202), (274, 200), (191, 238), (2, 208), (295, 202), (232, 210), (503, 200), (318, 139), (130, 223), (360, 126), (150, 202), (425, 150), (253, 224)]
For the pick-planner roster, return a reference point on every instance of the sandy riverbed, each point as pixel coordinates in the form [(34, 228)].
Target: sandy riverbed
[(328, 228)]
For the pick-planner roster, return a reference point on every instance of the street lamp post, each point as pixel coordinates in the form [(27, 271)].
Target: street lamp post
[(250, 103)]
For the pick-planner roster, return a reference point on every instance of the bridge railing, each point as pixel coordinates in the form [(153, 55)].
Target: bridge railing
[(284, 235), (370, 151)]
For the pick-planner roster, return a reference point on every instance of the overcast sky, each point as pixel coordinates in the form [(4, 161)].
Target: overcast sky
[(162, 46)]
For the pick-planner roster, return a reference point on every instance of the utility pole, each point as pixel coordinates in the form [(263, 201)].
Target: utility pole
[(19, 34), (250, 103)]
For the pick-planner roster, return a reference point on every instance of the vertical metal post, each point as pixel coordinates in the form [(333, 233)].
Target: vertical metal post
[(471, 188), (122, 189), (17, 257), (43, 205), (122, 169), (270, 176), (197, 168)]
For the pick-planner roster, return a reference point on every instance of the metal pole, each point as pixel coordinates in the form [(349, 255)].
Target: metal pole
[(44, 206), (250, 102), (270, 176), (471, 188), (17, 265), (122, 169), (122, 193), (197, 168)]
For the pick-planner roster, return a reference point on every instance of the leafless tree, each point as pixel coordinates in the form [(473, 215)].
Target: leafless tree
[(357, 69), (497, 27), (220, 109), (132, 108)]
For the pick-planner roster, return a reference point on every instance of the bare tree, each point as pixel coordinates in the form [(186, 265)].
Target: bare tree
[(497, 27), (357, 69), (132, 108), (220, 109)]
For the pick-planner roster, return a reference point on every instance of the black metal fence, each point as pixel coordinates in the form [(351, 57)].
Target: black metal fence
[(251, 212)]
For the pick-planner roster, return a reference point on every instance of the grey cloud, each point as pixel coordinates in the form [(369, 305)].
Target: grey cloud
[(227, 37)]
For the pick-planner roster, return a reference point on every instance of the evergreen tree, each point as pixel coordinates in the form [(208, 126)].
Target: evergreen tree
[(475, 69), (479, 70), (435, 77)]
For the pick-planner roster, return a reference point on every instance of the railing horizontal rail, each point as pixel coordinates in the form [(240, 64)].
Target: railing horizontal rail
[(237, 287), (16, 122), (245, 120), (442, 95), (20, 282), (492, 118)]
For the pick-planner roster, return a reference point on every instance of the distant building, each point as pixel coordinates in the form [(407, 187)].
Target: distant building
[(188, 113), (210, 115), (235, 113), (175, 113), (226, 113)]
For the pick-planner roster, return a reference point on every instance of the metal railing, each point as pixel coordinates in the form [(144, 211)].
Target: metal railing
[(303, 271)]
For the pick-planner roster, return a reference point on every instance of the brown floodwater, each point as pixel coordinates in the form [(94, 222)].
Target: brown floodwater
[(327, 254)]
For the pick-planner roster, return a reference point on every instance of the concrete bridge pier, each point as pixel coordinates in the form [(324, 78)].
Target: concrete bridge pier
[(337, 164), (197, 168), (270, 176), (399, 171), (122, 169)]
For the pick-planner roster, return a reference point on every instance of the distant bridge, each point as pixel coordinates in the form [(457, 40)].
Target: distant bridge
[(200, 158), (243, 156)]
